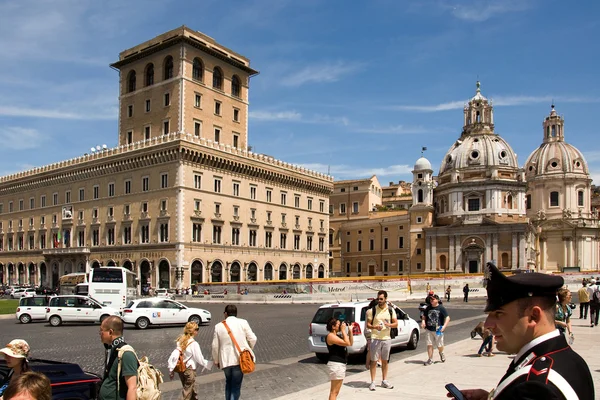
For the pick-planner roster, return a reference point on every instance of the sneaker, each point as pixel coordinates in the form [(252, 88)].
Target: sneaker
[(387, 385), (372, 386), (428, 362), (442, 357)]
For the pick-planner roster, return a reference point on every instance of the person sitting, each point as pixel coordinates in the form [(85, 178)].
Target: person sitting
[(15, 353)]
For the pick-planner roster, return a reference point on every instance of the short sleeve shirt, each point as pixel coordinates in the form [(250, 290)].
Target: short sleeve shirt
[(435, 317), (381, 316), (129, 366)]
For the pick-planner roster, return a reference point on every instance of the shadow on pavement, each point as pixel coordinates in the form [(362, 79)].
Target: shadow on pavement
[(357, 384)]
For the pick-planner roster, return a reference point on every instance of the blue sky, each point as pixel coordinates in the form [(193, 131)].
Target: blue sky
[(351, 87)]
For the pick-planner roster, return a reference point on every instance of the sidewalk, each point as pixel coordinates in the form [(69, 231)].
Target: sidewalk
[(412, 380)]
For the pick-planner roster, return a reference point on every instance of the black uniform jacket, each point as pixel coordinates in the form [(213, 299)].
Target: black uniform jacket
[(550, 370)]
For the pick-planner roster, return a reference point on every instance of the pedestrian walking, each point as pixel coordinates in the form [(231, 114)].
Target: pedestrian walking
[(448, 291), (380, 320), (594, 292), (466, 293), (520, 314), (115, 386), (224, 352), (435, 319), (488, 343), (189, 351), (338, 354), (15, 354), (584, 301), (29, 385), (562, 316)]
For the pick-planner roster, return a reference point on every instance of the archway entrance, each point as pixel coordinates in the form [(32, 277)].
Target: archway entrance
[(43, 274), (145, 274), (68, 268), (321, 272), (111, 263), (1, 273), (11, 274), (32, 280), (196, 272), (216, 272), (54, 275), (234, 272), (95, 264), (251, 275), (127, 264), (472, 256), (21, 273), (164, 275)]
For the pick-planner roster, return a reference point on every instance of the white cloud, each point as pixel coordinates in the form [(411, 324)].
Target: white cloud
[(18, 138), (479, 11), (52, 114), (324, 72), (340, 171), (591, 156), (275, 116)]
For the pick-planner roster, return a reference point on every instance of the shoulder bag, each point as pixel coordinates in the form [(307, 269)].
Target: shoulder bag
[(246, 361)]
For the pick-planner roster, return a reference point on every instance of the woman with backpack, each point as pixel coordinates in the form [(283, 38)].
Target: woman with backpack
[(186, 359)]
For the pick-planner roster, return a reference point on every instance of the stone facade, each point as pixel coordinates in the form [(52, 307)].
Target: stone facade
[(174, 202)]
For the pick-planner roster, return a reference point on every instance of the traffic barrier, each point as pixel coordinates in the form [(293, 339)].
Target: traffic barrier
[(282, 296)]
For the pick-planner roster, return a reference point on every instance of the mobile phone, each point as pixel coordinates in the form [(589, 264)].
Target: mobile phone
[(454, 391)]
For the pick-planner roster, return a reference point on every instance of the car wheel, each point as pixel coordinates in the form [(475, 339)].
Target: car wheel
[(196, 319), (102, 318), (323, 357), (142, 323), (25, 318), (413, 341), (55, 320)]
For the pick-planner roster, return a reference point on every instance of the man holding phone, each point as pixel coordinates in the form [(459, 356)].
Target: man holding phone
[(520, 312), (380, 323)]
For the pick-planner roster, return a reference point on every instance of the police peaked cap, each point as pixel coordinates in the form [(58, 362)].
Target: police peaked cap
[(502, 289)]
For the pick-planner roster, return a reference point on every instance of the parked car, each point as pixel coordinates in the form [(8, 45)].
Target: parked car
[(32, 308), (164, 293), (160, 311), (68, 380), (18, 293), (354, 313), (77, 309)]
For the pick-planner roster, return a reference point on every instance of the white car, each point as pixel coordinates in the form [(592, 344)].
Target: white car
[(354, 313), (164, 293), (18, 293), (32, 308), (77, 309), (160, 311)]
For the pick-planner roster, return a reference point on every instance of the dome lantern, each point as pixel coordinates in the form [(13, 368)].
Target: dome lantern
[(478, 115), (553, 127)]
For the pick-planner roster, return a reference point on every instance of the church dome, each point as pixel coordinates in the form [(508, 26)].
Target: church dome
[(422, 164), (479, 151), (555, 156)]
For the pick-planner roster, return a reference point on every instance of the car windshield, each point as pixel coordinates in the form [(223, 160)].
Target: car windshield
[(341, 313), (96, 301)]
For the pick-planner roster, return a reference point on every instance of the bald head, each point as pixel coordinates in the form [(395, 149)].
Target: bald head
[(115, 323)]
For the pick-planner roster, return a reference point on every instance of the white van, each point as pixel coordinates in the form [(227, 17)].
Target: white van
[(77, 309), (32, 308)]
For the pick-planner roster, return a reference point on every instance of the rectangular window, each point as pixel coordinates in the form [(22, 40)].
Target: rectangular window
[(235, 236), (167, 99), (236, 188), (359, 247), (253, 192), (236, 115), (309, 204), (371, 244), (268, 239), (145, 233), (127, 235), (42, 241), (130, 110), (252, 238), (359, 267), (129, 137), (95, 237), (110, 236), (32, 201), (111, 189), (269, 193), (342, 208), (127, 209), (236, 140), (400, 265), (217, 135), (268, 216), (10, 206), (197, 205), (296, 242), (554, 199), (197, 181), (163, 232), (418, 251), (81, 238), (43, 201), (198, 100), (309, 240), (297, 201), (321, 244), (197, 233), (147, 105), (217, 185), (385, 265), (473, 204), (418, 265), (385, 243), (216, 234), (96, 192), (197, 128), (401, 242), (217, 108), (355, 207), (145, 184), (147, 132), (321, 206), (282, 240), (580, 198), (111, 211), (283, 198), (128, 186), (347, 247), (165, 127), (54, 199), (163, 205), (164, 181)]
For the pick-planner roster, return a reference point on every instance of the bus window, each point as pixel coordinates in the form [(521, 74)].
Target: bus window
[(102, 275)]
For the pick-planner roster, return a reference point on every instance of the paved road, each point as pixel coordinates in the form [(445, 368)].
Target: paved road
[(285, 365)]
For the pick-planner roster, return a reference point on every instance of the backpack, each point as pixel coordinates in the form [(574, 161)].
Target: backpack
[(148, 377), (393, 331), (180, 366), (596, 297)]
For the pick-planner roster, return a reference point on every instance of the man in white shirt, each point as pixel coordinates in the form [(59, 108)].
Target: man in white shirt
[(225, 354), (594, 306)]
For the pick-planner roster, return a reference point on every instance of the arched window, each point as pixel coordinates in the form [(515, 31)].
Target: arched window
[(553, 199), (282, 272), (168, 67), (580, 198), (218, 78), (268, 272), (420, 196), (149, 74), (236, 86), (197, 70), (131, 82), (509, 201)]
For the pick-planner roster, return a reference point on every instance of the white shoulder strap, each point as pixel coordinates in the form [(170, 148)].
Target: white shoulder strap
[(553, 376), (120, 353)]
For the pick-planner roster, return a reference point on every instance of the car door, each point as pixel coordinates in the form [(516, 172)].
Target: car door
[(37, 307), (66, 308), (160, 314), (403, 327), (85, 310), (176, 315)]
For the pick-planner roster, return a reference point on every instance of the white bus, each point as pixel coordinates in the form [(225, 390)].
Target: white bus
[(68, 283), (112, 286)]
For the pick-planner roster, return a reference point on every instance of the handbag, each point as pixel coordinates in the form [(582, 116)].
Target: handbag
[(246, 361)]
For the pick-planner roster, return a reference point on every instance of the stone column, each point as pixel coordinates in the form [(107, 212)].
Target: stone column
[(495, 254), (427, 253), (522, 256), (433, 253), (457, 253), (514, 251), (451, 260), (488, 248), (567, 251)]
